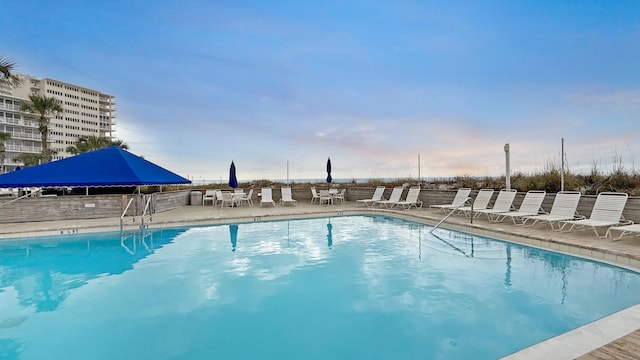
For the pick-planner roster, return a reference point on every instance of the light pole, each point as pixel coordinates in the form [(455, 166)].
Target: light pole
[(508, 169)]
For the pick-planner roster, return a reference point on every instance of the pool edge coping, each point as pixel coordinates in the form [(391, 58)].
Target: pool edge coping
[(555, 345)]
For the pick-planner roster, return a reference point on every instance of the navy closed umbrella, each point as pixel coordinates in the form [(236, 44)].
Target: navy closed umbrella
[(233, 181), (329, 170)]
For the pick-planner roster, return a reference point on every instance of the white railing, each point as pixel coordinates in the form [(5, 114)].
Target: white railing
[(9, 107)]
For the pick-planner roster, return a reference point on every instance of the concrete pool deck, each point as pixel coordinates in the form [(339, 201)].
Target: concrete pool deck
[(579, 342)]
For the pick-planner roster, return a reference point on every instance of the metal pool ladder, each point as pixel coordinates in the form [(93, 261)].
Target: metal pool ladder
[(466, 201)]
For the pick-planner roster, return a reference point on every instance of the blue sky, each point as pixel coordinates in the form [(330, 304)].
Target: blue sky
[(371, 84)]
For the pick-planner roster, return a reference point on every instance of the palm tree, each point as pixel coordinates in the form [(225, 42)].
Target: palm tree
[(3, 138), (92, 142), (119, 143), (6, 72), (28, 159), (42, 107)]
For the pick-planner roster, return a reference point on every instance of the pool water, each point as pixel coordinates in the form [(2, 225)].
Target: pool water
[(352, 287)]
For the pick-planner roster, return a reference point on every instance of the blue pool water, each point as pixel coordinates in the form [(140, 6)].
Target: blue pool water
[(361, 287)]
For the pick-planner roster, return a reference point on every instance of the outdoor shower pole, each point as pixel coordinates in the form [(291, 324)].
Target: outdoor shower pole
[(419, 169), (508, 172)]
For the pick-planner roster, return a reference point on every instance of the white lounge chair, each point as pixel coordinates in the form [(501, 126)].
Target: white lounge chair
[(209, 196), (564, 207), (481, 202), (394, 198), (266, 197), (503, 203), (462, 195), (287, 198), (607, 212), (632, 229), (531, 205), (377, 196), (412, 199)]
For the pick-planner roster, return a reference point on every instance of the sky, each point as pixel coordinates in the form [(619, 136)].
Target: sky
[(386, 89)]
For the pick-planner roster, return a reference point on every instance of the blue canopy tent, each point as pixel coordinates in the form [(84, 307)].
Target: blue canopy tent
[(111, 166)]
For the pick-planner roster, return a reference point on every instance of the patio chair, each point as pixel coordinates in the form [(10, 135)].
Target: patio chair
[(503, 203), (461, 196), (227, 199), (266, 197), (411, 200), (218, 197), (209, 196), (607, 212), (531, 205), (245, 198), (325, 197), (287, 198), (564, 207), (394, 198), (340, 196), (377, 196)]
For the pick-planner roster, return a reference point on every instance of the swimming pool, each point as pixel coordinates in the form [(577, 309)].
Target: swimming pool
[(344, 287)]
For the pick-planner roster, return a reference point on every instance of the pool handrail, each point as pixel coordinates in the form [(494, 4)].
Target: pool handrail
[(124, 213), (467, 200)]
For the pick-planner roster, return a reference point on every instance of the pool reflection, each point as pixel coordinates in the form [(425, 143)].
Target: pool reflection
[(233, 234), (44, 273)]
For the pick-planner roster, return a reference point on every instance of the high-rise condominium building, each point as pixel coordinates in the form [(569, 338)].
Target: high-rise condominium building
[(85, 112)]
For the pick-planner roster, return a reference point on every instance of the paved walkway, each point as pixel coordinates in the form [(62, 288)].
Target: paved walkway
[(592, 337)]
